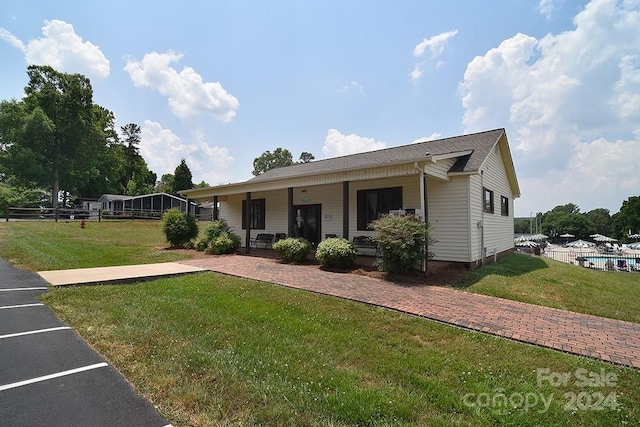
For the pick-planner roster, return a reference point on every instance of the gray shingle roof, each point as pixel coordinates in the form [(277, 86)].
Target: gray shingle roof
[(481, 143)]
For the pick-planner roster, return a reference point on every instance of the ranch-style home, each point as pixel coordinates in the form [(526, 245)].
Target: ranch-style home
[(462, 186)]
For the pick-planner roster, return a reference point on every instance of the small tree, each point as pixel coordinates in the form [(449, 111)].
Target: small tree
[(182, 177), (179, 228), (402, 242)]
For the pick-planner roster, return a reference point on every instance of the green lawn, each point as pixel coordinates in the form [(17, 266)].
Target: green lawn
[(48, 245), (556, 284), (211, 349)]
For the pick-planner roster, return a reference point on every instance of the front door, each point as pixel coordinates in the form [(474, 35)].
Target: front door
[(306, 223)]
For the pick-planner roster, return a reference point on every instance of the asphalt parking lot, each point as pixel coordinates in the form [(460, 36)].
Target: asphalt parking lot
[(48, 375)]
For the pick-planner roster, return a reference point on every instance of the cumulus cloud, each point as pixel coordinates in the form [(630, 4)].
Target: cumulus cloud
[(570, 104), (436, 45), (187, 93), (163, 150), (61, 48), (337, 144)]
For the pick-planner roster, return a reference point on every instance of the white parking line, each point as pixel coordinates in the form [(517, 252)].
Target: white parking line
[(22, 289), (37, 331), (51, 376), (20, 306)]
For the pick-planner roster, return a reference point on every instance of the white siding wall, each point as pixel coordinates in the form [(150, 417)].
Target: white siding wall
[(330, 197), (449, 218), (455, 209), (275, 212), (498, 229)]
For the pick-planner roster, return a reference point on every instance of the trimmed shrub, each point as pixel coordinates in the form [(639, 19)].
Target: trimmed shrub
[(336, 253), (402, 242), (219, 239), (179, 228), (293, 249), (225, 243)]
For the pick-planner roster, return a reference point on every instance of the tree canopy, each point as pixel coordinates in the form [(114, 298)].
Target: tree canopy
[(182, 177), (568, 219), (279, 158), (56, 138)]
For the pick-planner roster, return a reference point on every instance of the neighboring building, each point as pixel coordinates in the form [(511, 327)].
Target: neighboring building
[(148, 203), (466, 185)]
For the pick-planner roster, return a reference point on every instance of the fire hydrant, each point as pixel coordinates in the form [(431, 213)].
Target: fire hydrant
[(82, 223)]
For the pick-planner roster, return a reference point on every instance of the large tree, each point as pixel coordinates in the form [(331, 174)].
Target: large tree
[(56, 135), (131, 139)]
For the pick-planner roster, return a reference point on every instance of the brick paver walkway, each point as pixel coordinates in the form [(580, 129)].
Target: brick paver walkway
[(597, 337)]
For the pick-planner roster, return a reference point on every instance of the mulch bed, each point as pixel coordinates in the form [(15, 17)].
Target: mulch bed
[(438, 273)]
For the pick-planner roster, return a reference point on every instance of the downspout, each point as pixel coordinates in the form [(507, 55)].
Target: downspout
[(423, 209), (482, 217)]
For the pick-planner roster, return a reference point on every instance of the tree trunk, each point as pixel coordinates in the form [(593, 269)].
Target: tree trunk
[(56, 189)]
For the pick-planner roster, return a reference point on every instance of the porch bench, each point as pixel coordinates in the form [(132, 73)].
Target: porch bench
[(365, 242), (264, 239)]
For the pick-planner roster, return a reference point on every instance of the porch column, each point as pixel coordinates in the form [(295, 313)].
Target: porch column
[(187, 207), (290, 213), (215, 208), (247, 222), (345, 209)]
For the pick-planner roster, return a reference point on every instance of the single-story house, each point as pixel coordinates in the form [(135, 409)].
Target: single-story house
[(148, 203), (463, 186)]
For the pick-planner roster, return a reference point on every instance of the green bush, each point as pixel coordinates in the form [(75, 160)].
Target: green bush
[(219, 239), (336, 253), (179, 228), (402, 242), (225, 243), (293, 249)]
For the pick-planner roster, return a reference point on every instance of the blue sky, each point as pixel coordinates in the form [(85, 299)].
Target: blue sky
[(218, 83)]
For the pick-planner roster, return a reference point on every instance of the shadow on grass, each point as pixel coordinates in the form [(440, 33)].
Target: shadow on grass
[(512, 265)]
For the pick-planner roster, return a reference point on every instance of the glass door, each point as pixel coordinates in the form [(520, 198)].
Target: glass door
[(306, 223)]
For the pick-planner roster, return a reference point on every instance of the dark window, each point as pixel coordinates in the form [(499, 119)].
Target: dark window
[(504, 206), (257, 215), (488, 200), (373, 203)]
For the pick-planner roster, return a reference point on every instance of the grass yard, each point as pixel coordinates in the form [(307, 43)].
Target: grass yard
[(48, 245), (211, 349), (550, 283), (215, 350)]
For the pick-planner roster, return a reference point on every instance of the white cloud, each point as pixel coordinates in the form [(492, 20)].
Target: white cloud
[(546, 8), (163, 150), (570, 104), (188, 94), (352, 86), (337, 144), (61, 48), (436, 45), (432, 137), (12, 40), (417, 72)]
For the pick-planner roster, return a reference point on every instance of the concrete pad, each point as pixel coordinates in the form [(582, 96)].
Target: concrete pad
[(124, 273)]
